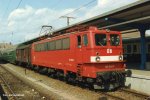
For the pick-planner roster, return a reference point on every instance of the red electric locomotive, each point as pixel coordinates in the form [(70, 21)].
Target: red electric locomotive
[(92, 57)]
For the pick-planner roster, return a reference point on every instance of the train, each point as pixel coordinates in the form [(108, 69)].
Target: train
[(8, 54), (90, 57), (132, 49)]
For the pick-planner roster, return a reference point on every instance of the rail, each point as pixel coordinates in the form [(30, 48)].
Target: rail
[(136, 93), (9, 88), (112, 96)]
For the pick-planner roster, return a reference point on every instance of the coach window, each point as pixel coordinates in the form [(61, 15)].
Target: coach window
[(66, 43), (85, 40), (129, 48), (79, 41), (58, 44), (100, 39), (134, 48)]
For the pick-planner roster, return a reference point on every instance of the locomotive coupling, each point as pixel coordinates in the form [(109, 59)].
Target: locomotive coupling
[(110, 80), (110, 76)]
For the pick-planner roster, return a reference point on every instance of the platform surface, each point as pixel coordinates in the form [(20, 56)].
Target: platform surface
[(140, 81), (141, 72)]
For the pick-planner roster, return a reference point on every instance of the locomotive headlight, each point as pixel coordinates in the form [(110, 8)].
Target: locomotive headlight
[(97, 58), (120, 58)]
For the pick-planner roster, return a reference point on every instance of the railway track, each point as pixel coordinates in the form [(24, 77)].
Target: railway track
[(15, 89), (11, 93), (110, 96), (120, 94), (142, 95)]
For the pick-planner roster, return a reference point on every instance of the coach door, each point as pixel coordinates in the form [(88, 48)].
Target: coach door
[(79, 49)]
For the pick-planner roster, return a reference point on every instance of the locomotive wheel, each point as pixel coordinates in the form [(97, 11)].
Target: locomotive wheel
[(36, 68), (43, 70), (71, 78)]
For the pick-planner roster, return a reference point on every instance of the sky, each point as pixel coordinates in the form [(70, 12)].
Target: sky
[(22, 21)]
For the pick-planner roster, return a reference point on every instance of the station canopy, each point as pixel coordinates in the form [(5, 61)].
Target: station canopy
[(125, 18)]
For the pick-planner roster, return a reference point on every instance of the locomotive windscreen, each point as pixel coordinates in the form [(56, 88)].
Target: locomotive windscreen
[(114, 40), (100, 39)]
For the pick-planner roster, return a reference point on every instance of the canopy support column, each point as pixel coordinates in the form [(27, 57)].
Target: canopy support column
[(143, 48)]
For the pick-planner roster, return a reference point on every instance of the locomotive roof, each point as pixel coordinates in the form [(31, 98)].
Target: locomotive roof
[(118, 19)]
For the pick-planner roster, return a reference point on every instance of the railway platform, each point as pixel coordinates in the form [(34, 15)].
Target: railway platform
[(136, 65), (139, 81)]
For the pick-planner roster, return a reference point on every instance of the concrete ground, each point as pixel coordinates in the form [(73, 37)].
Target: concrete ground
[(139, 81)]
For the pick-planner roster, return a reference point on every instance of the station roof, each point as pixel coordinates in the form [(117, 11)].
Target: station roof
[(134, 40), (121, 19)]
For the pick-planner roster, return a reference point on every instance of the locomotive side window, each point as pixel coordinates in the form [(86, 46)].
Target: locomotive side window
[(66, 43), (58, 44), (100, 39), (85, 40), (37, 47), (45, 46), (79, 41), (114, 40), (129, 48), (52, 45), (42, 47), (48, 45)]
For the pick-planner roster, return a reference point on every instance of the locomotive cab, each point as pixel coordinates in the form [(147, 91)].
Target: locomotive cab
[(100, 57), (107, 47)]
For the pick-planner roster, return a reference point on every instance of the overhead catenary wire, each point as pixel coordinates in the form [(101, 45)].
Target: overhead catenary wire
[(80, 7), (74, 21), (6, 9), (16, 8), (56, 4), (84, 5), (18, 4)]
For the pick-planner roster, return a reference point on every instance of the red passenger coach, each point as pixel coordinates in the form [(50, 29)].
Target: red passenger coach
[(91, 56)]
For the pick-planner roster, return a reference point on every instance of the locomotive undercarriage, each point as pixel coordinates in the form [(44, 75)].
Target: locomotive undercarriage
[(104, 80), (110, 80)]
